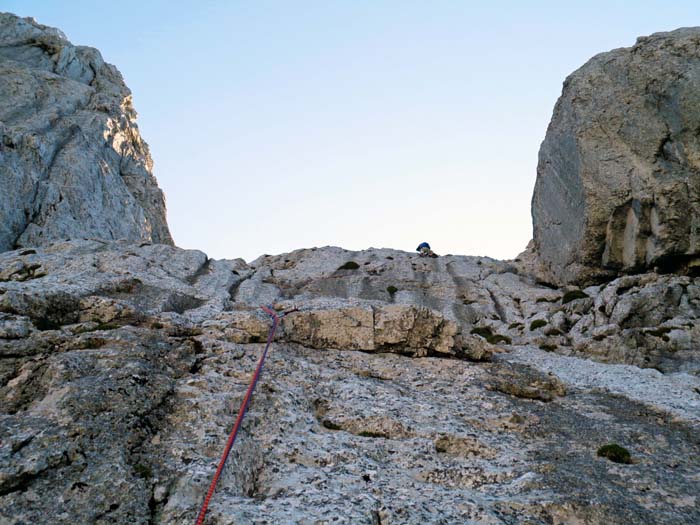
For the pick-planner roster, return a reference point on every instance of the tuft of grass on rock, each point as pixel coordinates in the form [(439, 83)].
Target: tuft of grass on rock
[(615, 453), (392, 290), (90, 343), (498, 338), (143, 471), (547, 347), (350, 265), (537, 323), (572, 295), (487, 333), (483, 331)]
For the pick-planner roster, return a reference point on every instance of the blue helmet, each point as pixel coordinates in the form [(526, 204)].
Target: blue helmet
[(423, 245)]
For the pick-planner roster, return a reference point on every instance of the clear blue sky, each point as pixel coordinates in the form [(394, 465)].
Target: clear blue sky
[(290, 124)]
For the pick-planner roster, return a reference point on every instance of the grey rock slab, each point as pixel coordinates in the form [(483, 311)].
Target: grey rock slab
[(137, 357), (346, 437), (677, 393), (73, 163)]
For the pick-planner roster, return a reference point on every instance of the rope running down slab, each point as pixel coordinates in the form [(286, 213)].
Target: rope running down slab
[(241, 415)]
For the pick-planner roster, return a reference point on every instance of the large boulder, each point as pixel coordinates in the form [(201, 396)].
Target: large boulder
[(72, 162), (618, 180)]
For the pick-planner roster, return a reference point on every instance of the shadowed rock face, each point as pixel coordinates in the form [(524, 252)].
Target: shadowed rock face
[(72, 161), (618, 180)]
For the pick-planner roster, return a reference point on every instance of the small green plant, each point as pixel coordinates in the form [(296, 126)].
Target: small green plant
[(143, 471), (91, 343), (392, 290), (511, 326), (498, 338), (547, 347), (483, 331), (572, 295), (616, 453), (350, 265), (537, 323)]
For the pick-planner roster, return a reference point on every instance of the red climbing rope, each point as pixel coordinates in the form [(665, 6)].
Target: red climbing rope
[(241, 414)]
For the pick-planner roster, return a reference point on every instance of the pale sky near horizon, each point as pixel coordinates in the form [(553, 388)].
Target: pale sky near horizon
[(282, 125)]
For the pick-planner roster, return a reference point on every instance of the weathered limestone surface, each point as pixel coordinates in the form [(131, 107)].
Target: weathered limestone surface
[(122, 367), (72, 162), (399, 390), (618, 179)]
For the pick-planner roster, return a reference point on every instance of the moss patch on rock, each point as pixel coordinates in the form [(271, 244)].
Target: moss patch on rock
[(537, 323), (615, 453), (498, 338), (350, 265), (483, 331), (573, 295)]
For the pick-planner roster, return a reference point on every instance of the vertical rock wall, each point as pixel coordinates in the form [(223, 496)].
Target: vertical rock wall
[(72, 162), (618, 180)]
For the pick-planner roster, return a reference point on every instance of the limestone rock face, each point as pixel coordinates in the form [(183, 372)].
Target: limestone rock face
[(365, 326), (618, 179), (397, 390), (72, 162)]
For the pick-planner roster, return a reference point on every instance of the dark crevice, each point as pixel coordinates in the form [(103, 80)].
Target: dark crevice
[(19, 484), (16, 447), (497, 305), (233, 289), (197, 365), (153, 508), (200, 272), (22, 482), (662, 150), (679, 263)]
